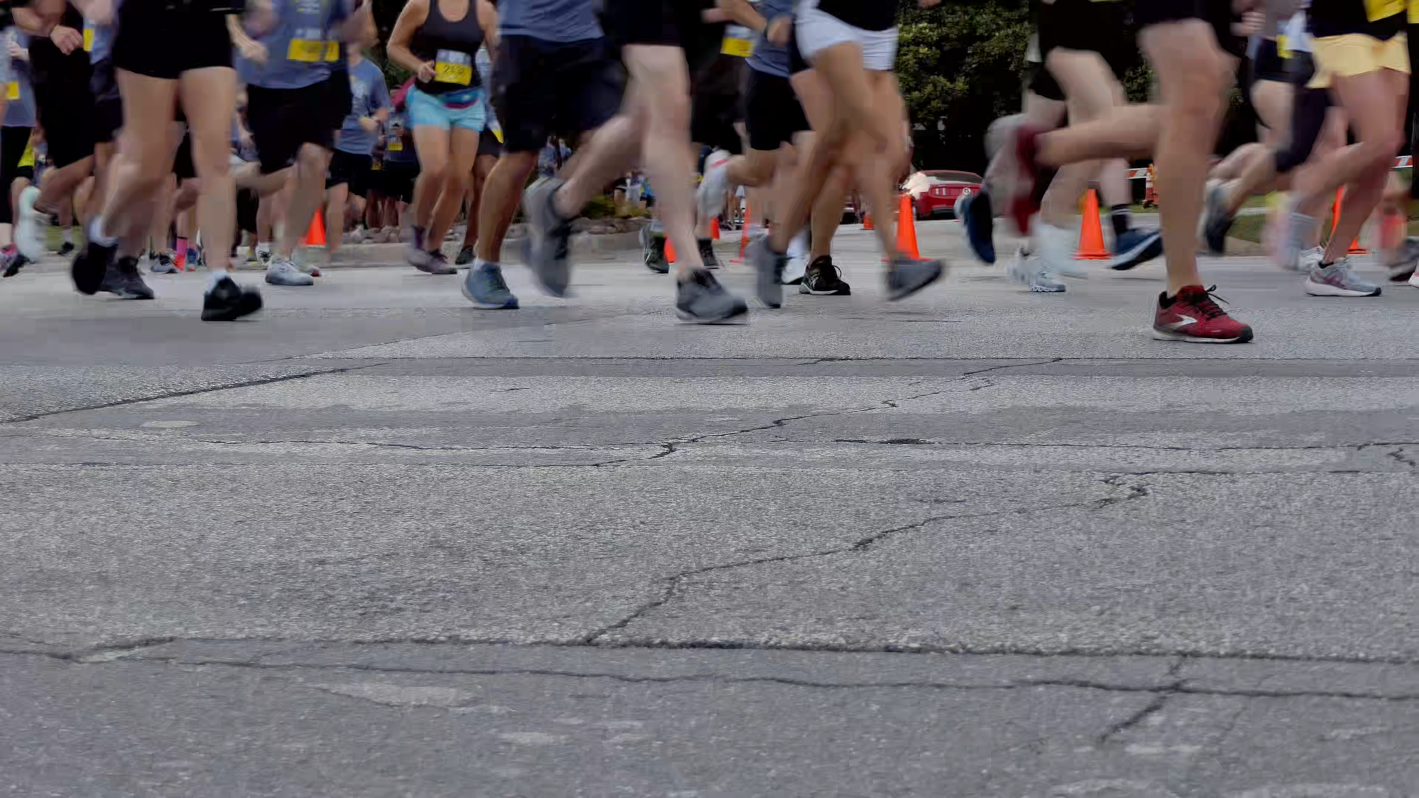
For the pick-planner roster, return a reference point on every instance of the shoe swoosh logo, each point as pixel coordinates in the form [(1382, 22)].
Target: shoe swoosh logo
[(1183, 322)]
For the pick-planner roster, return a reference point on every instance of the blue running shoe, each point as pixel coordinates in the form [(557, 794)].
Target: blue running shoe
[(977, 216), (484, 286), (1136, 247)]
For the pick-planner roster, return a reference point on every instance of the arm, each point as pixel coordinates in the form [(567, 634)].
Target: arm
[(39, 18), (352, 29), (741, 12), (488, 18), (410, 19), (250, 49)]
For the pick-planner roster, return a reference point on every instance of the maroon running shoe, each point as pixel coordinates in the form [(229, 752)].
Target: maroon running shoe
[(1194, 315)]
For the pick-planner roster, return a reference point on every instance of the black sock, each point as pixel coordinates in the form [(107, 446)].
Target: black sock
[(1119, 215)]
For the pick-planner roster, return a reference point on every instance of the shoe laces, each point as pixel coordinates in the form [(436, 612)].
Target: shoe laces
[(827, 272), (495, 278), (1206, 303)]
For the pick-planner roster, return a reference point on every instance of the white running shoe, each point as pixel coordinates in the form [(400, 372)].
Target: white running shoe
[(1055, 247), (32, 228), (797, 260)]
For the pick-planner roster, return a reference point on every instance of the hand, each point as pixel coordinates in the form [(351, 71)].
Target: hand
[(1250, 24), (66, 39), (779, 30), (19, 53), (427, 71), (369, 123), (253, 51)]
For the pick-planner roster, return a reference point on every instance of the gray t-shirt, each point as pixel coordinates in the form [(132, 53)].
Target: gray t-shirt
[(769, 58), (368, 94), (549, 20)]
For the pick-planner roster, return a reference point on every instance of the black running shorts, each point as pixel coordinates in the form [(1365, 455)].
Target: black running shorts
[(349, 169), (1217, 13), (1088, 26), (282, 120), (66, 111), (159, 42), (669, 23), (108, 105), (543, 88), (397, 181), (774, 112), (716, 90), (182, 164)]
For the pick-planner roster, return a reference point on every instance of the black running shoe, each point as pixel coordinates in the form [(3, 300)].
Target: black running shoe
[(12, 261), (1216, 221), (124, 281), (824, 279), (90, 267), (707, 254), (66, 249), (702, 300), (654, 255), (227, 301), (465, 257)]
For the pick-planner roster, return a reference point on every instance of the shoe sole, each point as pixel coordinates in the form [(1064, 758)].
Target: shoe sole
[(1167, 335), (895, 296), (738, 317), (1139, 255), (1322, 289), (803, 289)]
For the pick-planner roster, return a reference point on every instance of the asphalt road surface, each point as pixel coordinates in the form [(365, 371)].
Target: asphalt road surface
[(375, 542)]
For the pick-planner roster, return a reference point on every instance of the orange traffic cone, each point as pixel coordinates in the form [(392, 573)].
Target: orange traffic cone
[(744, 232), (669, 250), (906, 229), (867, 221), (1355, 248), (714, 229), (315, 236), (1091, 232)]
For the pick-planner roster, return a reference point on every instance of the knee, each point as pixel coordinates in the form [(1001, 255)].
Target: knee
[(673, 112)]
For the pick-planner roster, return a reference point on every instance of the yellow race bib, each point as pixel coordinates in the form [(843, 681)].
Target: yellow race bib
[(1376, 10), (332, 52), (738, 41), (1282, 48), (395, 146), (308, 46), (12, 91), (28, 158), (453, 67), (88, 39)]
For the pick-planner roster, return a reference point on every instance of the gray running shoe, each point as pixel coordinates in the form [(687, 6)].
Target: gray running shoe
[(283, 272), (1294, 230), (1338, 280), (438, 264), (414, 252), (124, 281), (484, 287), (465, 257), (770, 266), (1029, 270), (702, 300), (1401, 268), (912, 275), (710, 196), (550, 235), (1216, 221)]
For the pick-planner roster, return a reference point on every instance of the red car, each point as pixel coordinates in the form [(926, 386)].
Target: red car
[(934, 192)]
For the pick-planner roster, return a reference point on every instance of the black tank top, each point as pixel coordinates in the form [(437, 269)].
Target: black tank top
[(50, 65), (451, 46)]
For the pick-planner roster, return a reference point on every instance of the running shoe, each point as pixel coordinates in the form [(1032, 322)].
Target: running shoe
[(437, 263), (1013, 141), (769, 266), (264, 257), (1136, 247), (484, 287), (1311, 258), (1401, 267), (1337, 279), (414, 252), (977, 216), (654, 256), (1216, 220), (824, 279), (550, 237), (465, 257), (1055, 247), (1194, 315), (11, 261), (1414, 279), (227, 301), (65, 249), (195, 258), (707, 255), (124, 280), (90, 267), (710, 196), (911, 275), (1294, 229), (1029, 270), (164, 265), (283, 272), (252, 259), (702, 300), (33, 227)]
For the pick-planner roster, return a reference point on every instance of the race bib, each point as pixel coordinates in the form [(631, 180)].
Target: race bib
[(395, 146), (1282, 48), (1376, 10), (738, 41), (12, 91), (498, 134), (332, 52), (376, 166), (88, 38), (28, 158), (308, 47), (453, 67)]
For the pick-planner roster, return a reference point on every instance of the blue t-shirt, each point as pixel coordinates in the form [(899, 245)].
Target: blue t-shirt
[(100, 41), (19, 110), (769, 58), (484, 64), (368, 94), (550, 20), (301, 49)]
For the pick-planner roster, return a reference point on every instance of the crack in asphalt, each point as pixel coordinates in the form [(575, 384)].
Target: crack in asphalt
[(1151, 708), (675, 583), (194, 392)]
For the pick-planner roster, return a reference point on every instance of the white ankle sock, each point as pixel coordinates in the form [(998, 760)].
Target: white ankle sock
[(216, 276)]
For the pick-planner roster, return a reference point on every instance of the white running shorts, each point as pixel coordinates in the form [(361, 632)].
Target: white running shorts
[(818, 30)]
